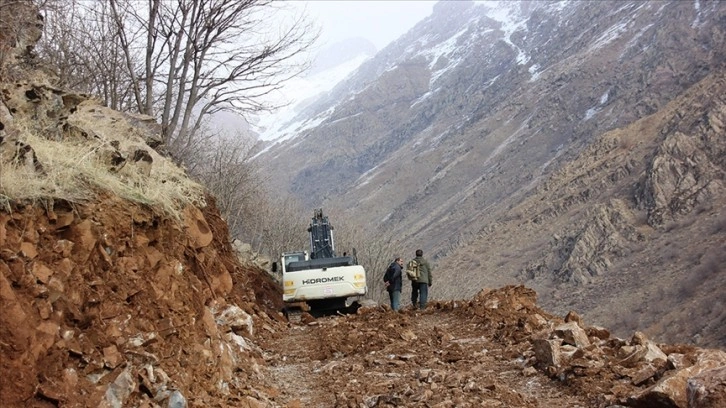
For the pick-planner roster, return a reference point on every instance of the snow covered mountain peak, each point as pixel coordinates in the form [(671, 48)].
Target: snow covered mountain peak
[(333, 64)]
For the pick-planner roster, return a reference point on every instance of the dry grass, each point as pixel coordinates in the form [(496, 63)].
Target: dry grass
[(73, 172)]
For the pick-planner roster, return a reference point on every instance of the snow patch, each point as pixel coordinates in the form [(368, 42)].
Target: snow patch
[(534, 72), (510, 23), (292, 131), (366, 177), (604, 97), (596, 109), (278, 126), (633, 41), (697, 21), (610, 35), (561, 5), (590, 113), (345, 118), (424, 97), (448, 49)]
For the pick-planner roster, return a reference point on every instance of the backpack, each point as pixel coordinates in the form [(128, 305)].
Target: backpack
[(412, 270)]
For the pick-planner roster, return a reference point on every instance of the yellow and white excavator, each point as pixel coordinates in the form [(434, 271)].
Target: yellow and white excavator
[(319, 282)]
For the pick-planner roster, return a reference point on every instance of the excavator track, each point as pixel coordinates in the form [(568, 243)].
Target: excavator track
[(294, 316), (294, 313)]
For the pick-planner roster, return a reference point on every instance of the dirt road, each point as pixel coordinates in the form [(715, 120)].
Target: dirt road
[(446, 356)]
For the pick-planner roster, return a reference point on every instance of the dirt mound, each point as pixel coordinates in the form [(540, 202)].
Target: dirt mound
[(108, 303)]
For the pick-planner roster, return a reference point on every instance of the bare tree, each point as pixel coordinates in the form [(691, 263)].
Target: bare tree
[(280, 226), (206, 56), (222, 164), (179, 61), (80, 45)]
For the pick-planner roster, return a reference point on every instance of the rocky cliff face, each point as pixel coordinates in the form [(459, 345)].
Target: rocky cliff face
[(447, 130), (632, 231)]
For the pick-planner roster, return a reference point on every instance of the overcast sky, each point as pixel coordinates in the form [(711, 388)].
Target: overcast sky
[(379, 21)]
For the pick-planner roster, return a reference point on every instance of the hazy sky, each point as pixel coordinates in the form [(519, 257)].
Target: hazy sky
[(378, 21)]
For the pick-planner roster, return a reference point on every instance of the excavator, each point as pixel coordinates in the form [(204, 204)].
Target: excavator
[(318, 281)]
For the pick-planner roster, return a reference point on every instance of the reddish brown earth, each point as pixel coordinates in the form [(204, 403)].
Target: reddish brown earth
[(109, 304), (89, 290)]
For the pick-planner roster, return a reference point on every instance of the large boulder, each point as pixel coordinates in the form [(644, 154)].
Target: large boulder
[(671, 390), (707, 389)]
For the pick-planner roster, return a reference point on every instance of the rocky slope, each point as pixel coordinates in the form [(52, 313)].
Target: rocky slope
[(476, 110), (497, 349), (109, 304), (632, 232)]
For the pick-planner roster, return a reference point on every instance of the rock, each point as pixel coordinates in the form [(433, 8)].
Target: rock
[(84, 239), (529, 371), (547, 352), (681, 175), (21, 154), (638, 338), (41, 272), (654, 353), (707, 389), (572, 316), (670, 391), (240, 341), (112, 357), (677, 360), (250, 402), (573, 334), (28, 250), (643, 350), (408, 335), (644, 374), (236, 319), (598, 332), (196, 227), (177, 400), (119, 390)]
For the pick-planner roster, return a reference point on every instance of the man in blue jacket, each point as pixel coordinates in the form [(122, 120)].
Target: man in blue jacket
[(393, 279)]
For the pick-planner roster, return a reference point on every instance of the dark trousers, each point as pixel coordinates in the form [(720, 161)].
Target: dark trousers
[(419, 294)]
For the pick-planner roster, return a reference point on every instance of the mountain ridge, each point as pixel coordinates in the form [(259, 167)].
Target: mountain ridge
[(437, 155)]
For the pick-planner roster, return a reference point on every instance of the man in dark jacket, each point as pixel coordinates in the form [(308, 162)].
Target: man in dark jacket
[(394, 282), (420, 286)]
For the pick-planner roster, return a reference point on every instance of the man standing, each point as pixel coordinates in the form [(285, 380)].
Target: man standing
[(394, 282), (420, 286)]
